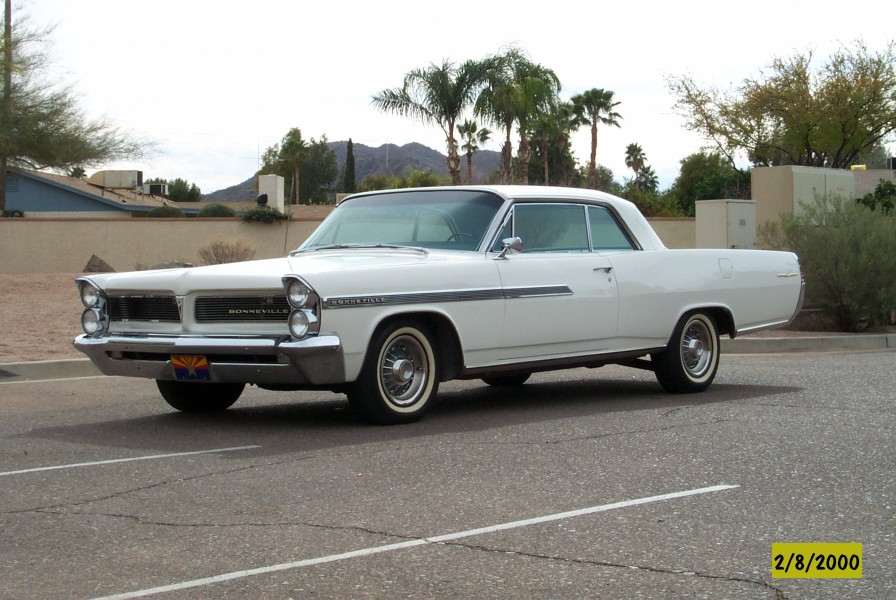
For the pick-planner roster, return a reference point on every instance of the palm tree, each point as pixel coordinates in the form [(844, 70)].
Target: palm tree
[(472, 136), (551, 130), (437, 94), (647, 179), (518, 91), (294, 150), (597, 106), (635, 158)]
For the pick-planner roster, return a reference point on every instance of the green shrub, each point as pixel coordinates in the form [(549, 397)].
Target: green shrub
[(847, 253), (262, 214), (167, 211), (13, 214), (883, 197), (217, 210)]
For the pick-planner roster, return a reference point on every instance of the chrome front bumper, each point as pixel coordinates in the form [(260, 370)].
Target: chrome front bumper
[(316, 361)]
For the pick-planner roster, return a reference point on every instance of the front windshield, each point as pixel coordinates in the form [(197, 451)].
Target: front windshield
[(445, 219)]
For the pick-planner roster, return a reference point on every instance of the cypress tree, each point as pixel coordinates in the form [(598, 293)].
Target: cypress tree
[(348, 170)]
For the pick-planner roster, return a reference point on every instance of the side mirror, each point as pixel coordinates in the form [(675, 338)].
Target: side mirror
[(508, 244)]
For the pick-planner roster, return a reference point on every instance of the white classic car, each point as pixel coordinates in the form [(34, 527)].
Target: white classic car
[(398, 291)]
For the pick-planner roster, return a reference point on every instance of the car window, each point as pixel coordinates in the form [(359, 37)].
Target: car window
[(435, 219), (606, 234), (551, 227)]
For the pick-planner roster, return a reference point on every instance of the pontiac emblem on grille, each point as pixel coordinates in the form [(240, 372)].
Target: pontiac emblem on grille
[(180, 306)]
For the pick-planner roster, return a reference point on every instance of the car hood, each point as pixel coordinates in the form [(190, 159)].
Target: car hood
[(321, 269)]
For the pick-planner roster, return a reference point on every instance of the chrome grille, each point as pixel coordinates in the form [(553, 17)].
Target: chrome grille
[(242, 309), (162, 309)]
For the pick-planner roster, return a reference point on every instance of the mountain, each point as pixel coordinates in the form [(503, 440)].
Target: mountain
[(388, 159)]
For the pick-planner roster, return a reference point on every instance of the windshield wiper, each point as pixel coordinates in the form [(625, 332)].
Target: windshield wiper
[(359, 246)]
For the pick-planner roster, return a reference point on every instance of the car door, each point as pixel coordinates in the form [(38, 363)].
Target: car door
[(560, 297)]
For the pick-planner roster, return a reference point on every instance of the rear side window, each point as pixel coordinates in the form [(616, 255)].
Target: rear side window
[(606, 234)]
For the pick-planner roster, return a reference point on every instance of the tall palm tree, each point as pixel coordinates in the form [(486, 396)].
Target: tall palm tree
[(437, 94), (635, 158), (472, 136), (597, 105), (518, 90), (295, 150), (551, 131)]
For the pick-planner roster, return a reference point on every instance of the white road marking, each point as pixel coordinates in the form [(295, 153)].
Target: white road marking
[(440, 539), (122, 460)]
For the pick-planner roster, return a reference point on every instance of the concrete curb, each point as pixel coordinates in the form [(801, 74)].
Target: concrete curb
[(47, 369), (833, 343), (82, 367)]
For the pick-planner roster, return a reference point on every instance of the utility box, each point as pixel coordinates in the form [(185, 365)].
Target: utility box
[(726, 224), (272, 185)]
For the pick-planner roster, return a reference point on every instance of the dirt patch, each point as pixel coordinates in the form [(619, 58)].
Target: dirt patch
[(40, 316)]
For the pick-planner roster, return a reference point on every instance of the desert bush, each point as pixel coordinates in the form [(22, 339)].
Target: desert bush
[(167, 211), (12, 214), (847, 253), (218, 252), (262, 214), (217, 210)]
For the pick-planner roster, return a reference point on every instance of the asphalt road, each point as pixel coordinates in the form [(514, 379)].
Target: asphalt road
[(580, 484)]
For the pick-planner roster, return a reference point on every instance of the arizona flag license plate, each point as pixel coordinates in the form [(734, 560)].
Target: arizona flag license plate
[(191, 368)]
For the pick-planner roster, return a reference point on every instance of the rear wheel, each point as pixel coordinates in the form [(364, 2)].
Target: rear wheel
[(690, 361), (190, 396), (400, 377)]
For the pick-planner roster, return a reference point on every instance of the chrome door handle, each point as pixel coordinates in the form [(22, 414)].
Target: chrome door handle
[(604, 269)]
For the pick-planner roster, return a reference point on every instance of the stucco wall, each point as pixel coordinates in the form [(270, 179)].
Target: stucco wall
[(778, 190), (66, 245)]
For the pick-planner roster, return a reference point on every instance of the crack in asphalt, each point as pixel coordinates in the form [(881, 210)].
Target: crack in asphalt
[(55, 508), (779, 594)]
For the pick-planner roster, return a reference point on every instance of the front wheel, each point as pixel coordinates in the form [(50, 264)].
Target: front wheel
[(400, 377), (690, 361), (190, 396)]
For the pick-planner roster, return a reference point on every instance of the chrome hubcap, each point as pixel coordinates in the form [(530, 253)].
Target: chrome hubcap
[(403, 370), (697, 348)]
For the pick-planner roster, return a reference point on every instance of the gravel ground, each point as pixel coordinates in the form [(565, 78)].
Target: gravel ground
[(41, 316)]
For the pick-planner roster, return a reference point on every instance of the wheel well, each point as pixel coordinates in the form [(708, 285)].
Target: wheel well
[(724, 320), (446, 342)]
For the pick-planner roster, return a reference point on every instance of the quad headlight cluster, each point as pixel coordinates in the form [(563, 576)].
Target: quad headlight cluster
[(95, 318), (304, 320)]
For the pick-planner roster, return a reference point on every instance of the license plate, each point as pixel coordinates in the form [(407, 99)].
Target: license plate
[(191, 368)]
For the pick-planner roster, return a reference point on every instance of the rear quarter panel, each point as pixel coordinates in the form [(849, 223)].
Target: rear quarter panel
[(759, 288)]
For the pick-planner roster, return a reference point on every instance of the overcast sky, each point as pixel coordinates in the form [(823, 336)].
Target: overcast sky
[(217, 82)]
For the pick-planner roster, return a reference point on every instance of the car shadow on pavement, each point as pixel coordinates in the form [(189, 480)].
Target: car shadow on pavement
[(324, 421)]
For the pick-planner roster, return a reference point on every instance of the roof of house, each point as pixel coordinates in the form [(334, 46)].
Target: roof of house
[(130, 200)]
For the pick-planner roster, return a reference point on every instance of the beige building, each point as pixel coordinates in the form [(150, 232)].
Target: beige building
[(778, 190)]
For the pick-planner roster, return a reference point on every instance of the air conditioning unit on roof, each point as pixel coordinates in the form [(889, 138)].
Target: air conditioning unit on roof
[(112, 180), (155, 189)]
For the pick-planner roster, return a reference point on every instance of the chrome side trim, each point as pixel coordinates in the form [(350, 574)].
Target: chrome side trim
[(446, 296)]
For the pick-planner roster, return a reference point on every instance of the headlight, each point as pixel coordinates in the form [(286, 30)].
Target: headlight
[(90, 295), (298, 324), (297, 293), (304, 320), (92, 321)]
